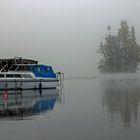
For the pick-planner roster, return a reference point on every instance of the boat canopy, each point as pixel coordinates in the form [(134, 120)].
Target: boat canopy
[(43, 71), (5, 64)]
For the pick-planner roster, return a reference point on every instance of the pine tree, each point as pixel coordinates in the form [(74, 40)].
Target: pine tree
[(123, 35), (133, 51), (110, 55)]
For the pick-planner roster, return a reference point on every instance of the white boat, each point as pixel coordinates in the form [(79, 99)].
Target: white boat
[(27, 76)]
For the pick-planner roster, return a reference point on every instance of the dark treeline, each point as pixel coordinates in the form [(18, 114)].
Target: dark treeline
[(119, 53)]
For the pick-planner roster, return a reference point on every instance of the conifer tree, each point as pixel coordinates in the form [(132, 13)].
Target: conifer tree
[(119, 53)]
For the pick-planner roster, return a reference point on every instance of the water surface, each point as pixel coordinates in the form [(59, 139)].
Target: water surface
[(100, 108)]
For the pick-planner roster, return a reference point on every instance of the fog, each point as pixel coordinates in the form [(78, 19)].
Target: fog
[(62, 33)]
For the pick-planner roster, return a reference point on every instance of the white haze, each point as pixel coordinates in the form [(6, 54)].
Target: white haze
[(62, 33)]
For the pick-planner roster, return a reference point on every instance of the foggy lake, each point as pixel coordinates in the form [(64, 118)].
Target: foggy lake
[(67, 35), (104, 107)]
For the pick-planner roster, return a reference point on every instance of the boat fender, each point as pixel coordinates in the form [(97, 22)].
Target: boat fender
[(5, 95)]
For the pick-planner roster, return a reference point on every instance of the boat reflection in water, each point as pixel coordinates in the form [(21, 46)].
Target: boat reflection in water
[(21, 104), (121, 98)]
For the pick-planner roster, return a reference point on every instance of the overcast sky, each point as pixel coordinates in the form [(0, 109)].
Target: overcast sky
[(62, 33)]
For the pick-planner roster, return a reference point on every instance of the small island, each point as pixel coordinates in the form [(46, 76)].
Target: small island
[(119, 53)]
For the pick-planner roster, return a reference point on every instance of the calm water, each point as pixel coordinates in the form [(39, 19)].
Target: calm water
[(103, 108)]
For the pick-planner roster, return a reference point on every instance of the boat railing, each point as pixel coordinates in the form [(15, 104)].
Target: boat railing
[(22, 67), (4, 68), (60, 76)]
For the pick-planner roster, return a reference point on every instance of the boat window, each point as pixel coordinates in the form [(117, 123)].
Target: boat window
[(37, 69), (13, 76), (47, 69), (1, 75), (18, 76), (9, 76), (27, 76)]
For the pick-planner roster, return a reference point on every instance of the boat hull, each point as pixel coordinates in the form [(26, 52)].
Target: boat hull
[(24, 84)]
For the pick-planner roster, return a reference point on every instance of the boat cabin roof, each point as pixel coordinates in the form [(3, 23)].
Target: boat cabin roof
[(5, 64)]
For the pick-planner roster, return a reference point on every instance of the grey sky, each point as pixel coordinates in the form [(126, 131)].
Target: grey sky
[(63, 33)]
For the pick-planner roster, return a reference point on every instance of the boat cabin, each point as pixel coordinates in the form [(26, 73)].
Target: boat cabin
[(39, 70), (25, 65)]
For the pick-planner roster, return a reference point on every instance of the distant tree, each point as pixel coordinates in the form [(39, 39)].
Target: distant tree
[(125, 44), (119, 53)]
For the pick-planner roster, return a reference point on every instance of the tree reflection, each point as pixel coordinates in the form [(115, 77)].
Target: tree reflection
[(122, 97)]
